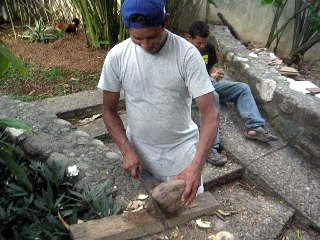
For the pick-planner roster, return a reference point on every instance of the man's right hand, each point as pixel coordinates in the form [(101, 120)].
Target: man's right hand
[(132, 164)]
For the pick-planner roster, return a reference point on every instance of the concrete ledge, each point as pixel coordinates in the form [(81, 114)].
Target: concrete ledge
[(81, 104), (295, 115)]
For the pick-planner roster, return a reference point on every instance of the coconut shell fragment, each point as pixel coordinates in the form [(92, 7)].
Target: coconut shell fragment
[(168, 195)]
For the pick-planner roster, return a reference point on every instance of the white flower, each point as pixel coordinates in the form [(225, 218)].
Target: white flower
[(72, 171)]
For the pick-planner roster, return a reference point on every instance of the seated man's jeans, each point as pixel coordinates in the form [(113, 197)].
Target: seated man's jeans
[(240, 94)]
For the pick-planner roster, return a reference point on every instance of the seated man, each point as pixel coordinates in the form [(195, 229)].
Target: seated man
[(236, 92)]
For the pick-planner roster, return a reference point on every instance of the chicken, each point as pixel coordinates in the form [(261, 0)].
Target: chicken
[(71, 27)]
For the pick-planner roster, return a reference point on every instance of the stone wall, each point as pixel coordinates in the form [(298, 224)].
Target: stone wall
[(295, 115)]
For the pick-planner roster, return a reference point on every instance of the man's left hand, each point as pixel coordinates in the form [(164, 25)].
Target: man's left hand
[(192, 177), (217, 73)]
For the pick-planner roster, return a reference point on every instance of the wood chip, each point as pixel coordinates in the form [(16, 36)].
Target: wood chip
[(203, 224)]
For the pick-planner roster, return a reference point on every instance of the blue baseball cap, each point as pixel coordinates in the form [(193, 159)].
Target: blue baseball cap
[(143, 13)]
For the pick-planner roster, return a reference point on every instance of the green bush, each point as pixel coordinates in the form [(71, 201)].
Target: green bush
[(39, 202), (42, 33)]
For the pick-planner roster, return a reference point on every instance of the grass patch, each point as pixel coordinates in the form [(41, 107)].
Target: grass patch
[(39, 83)]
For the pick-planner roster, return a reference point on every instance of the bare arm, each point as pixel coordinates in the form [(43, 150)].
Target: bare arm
[(131, 162), (208, 131)]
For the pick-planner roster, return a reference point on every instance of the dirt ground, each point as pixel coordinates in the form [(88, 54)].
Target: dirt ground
[(69, 53)]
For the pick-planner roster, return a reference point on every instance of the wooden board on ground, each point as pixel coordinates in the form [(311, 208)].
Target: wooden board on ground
[(138, 224)]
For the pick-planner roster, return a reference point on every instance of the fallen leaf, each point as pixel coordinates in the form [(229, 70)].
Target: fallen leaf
[(134, 205), (223, 213), (203, 224), (88, 120), (223, 235), (142, 196), (138, 209)]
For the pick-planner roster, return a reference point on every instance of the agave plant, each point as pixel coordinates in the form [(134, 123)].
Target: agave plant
[(42, 33), (38, 201)]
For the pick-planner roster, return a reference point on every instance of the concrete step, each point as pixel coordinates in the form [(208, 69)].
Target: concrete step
[(81, 104), (277, 168), (214, 176)]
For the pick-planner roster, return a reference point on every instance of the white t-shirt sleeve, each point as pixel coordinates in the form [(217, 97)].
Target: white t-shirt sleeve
[(110, 75), (196, 76)]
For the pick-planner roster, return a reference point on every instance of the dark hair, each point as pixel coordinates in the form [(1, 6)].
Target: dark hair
[(199, 28), (144, 20)]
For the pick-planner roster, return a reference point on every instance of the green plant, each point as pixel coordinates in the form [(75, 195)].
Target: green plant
[(42, 33), (306, 32), (45, 208), (7, 58), (102, 20)]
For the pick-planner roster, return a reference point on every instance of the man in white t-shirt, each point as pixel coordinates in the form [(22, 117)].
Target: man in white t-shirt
[(160, 73)]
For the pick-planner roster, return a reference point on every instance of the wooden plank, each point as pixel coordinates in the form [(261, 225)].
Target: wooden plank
[(313, 91), (134, 225)]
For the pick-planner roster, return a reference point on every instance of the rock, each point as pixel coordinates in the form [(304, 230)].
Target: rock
[(168, 195), (266, 88)]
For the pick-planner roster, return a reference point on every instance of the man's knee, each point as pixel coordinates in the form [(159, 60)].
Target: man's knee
[(244, 87)]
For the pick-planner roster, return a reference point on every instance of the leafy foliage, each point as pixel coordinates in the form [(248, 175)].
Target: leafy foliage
[(306, 19), (275, 3), (102, 20), (7, 58), (42, 33), (45, 208)]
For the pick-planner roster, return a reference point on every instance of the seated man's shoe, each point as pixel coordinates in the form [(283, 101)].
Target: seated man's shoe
[(260, 135), (216, 159)]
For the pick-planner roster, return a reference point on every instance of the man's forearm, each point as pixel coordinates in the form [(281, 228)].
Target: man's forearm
[(117, 131), (208, 129), (208, 132)]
